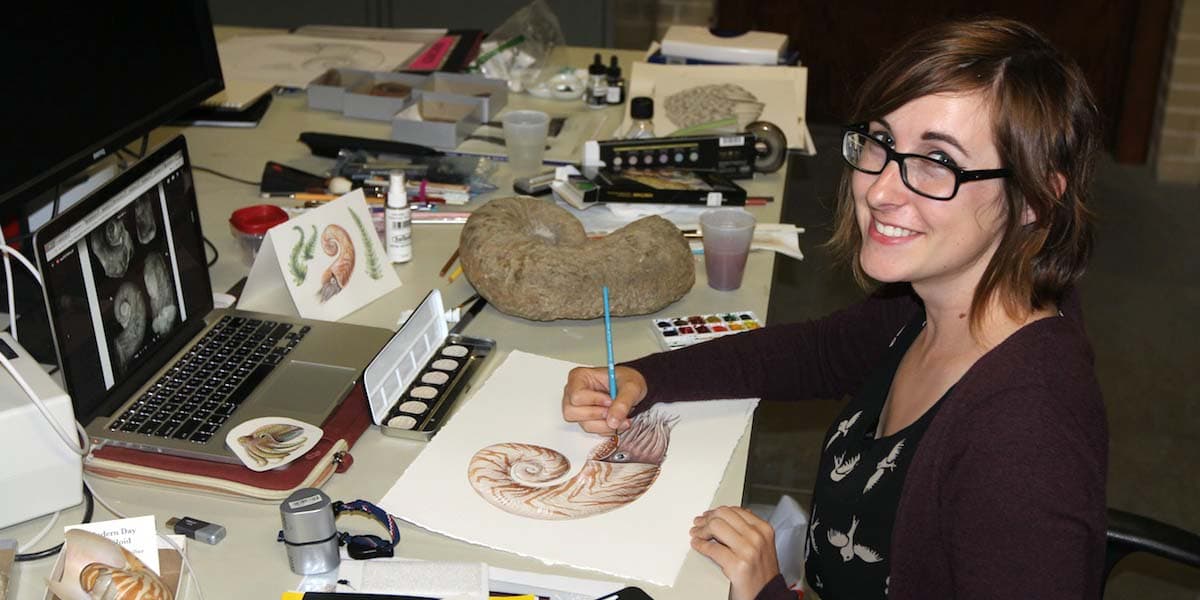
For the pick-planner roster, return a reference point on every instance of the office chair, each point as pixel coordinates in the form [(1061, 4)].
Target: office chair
[(1129, 533)]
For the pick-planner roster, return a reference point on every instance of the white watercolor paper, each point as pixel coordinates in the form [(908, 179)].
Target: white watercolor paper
[(296, 60), (323, 264), (646, 540)]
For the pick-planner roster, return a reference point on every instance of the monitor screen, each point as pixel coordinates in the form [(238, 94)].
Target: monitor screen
[(88, 78)]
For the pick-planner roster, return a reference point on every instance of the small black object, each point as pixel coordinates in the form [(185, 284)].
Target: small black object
[(616, 83), (328, 144), (628, 593), (362, 547), (641, 107)]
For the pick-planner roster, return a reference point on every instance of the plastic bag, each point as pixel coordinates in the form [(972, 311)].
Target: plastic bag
[(790, 523), (517, 50)]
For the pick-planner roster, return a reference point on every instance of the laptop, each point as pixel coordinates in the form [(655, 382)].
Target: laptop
[(148, 362)]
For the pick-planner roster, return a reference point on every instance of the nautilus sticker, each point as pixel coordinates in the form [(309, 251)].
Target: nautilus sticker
[(527, 480), (271, 442)]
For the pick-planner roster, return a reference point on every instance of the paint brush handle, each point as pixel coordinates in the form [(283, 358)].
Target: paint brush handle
[(612, 372)]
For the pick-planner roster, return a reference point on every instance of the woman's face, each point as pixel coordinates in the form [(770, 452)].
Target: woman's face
[(908, 237)]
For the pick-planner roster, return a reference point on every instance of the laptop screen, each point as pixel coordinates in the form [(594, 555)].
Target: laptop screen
[(126, 279)]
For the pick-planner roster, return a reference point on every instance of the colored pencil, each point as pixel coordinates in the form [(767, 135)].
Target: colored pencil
[(456, 274), (449, 261)]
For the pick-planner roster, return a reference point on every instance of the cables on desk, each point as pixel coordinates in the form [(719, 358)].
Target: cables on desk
[(226, 176), (89, 507), (215, 255)]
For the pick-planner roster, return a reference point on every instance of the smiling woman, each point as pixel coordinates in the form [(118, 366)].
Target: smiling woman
[(970, 461)]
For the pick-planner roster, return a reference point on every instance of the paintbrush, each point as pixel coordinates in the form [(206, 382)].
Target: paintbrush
[(612, 370)]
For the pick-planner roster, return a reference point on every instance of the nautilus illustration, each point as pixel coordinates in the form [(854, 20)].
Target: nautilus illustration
[(112, 245), (335, 241), (526, 480), (143, 217), (162, 301), (707, 103), (129, 309), (273, 442)]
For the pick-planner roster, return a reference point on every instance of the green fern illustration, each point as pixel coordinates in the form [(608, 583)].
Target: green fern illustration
[(299, 267), (311, 246), (373, 268)]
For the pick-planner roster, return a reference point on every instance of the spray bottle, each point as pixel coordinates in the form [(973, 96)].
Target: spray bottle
[(398, 221)]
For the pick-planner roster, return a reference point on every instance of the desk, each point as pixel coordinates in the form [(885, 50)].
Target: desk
[(249, 563)]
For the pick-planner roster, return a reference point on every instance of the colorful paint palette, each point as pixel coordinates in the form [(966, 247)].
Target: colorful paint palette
[(679, 332)]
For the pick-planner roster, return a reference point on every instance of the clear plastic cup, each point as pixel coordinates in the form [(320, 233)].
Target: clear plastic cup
[(525, 134), (727, 234)]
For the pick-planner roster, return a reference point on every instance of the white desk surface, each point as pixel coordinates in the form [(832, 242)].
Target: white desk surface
[(249, 563)]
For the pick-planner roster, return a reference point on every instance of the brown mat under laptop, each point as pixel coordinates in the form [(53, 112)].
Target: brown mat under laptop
[(330, 455)]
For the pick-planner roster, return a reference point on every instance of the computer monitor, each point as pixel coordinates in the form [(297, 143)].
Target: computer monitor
[(85, 79)]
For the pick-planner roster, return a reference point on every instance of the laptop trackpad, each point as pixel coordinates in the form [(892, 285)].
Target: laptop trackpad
[(306, 388)]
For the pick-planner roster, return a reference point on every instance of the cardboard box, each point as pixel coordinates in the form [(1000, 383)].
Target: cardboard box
[(381, 96), (490, 94), (445, 121), (327, 91)]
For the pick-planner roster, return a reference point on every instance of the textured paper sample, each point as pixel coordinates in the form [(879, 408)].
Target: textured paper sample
[(645, 540), (689, 95)]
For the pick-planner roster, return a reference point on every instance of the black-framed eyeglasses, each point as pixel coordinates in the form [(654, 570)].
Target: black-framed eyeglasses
[(922, 174)]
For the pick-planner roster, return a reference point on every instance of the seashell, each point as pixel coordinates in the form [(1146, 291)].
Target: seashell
[(96, 568)]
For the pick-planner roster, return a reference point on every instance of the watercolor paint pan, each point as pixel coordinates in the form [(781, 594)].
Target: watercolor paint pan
[(422, 372), (674, 333)]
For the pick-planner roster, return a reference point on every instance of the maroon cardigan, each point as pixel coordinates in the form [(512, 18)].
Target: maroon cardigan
[(1005, 497)]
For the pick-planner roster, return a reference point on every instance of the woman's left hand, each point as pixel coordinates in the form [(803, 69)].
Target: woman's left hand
[(742, 544)]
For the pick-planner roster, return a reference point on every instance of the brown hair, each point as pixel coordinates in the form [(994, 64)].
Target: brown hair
[(1045, 124)]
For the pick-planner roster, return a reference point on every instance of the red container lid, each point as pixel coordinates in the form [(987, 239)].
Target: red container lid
[(257, 219)]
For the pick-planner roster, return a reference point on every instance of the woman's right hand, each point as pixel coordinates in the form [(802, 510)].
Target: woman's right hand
[(586, 399)]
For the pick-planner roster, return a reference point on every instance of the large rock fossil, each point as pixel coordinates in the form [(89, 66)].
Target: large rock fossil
[(532, 259)]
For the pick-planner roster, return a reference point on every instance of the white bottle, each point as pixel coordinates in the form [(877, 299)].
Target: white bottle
[(398, 219)]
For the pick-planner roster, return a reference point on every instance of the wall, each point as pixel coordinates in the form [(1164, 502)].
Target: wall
[(636, 23), (1178, 158), (583, 23)]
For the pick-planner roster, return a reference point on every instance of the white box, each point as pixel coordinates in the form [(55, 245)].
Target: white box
[(750, 48), (41, 474)]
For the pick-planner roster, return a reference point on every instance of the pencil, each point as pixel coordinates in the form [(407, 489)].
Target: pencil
[(612, 370), (449, 261), (456, 274)]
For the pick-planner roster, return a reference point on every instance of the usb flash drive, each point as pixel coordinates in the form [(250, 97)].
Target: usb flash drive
[(209, 533)]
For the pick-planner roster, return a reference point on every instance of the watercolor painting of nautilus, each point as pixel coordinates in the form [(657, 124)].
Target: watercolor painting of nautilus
[(96, 567), (271, 442), (530, 481)]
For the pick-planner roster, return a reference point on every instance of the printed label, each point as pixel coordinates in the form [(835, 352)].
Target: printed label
[(301, 503), (731, 140)]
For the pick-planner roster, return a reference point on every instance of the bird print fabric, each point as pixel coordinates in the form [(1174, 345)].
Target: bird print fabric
[(858, 488)]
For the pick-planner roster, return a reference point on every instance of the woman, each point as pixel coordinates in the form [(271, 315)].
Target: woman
[(970, 461)]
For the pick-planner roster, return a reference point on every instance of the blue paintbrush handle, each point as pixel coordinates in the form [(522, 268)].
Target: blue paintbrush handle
[(612, 372)]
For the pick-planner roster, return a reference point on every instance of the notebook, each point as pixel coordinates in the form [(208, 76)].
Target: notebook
[(147, 360)]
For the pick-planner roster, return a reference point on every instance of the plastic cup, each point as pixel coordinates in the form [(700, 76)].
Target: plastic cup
[(525, 138), (727, 235)]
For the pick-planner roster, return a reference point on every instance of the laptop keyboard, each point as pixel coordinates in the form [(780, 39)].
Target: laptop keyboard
[(204, 388)]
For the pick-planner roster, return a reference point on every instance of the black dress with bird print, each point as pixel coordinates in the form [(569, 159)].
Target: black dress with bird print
[(858, 488)]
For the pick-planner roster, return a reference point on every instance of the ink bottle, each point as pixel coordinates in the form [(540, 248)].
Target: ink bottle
[(597, 85), (641, 110), (398, 221), (616, 83)]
